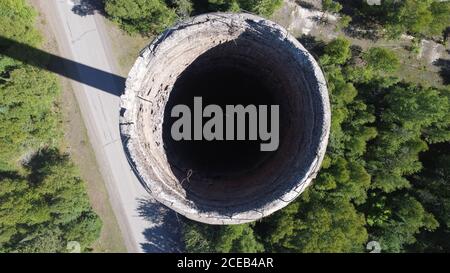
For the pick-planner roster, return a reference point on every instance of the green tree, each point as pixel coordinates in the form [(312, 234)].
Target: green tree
[(331, 6), (315, 223), (406, 217), (27, 119), (44, 210), (404, 114), (441, 17), (43, 203), (234, 238), (381, 59), (144, 16), (407, 112), (431, 188), (337, 52), (17, 19), (262, 7), (417, 17)]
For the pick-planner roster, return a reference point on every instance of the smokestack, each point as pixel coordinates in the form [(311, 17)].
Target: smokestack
[(226, 59)]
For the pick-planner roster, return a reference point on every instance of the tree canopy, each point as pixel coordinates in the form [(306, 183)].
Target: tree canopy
[(143, 16), (423, 18), (149, 17), (43, 203)]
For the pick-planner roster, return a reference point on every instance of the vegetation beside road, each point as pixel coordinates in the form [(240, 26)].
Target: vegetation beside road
[(43, 201), (150, 17)]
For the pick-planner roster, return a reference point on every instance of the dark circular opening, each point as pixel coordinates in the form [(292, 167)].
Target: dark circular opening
[(219, 81)]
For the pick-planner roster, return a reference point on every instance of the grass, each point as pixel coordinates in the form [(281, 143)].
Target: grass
[(82, 154), (126, 55), (412, 68)]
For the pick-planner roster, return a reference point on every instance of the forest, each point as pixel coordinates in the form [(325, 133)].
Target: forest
[(43, 202)]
